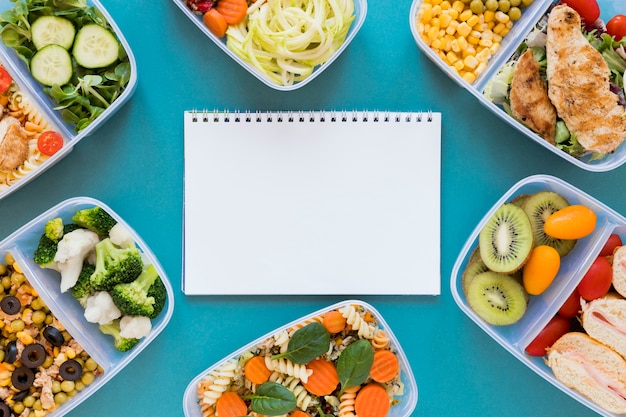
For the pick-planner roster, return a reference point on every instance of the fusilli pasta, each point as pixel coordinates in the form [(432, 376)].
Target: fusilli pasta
[(354, 319), (346, 404), (221, 379), (285, 366)]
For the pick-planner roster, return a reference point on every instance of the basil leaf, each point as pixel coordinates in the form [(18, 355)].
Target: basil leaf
[(272, 399), (306, 344), (354, 364)]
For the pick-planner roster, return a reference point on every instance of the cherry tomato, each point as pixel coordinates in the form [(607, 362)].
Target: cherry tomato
[(588, 10), (611, 243), (597, 281), (5, 80), (571, 306), (49, 142), (556, 327), (617, 26)]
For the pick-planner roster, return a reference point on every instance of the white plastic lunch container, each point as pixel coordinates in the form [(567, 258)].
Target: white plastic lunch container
[(33, 90), (520, 30), (406, 402), (542, 308), (22, 243), (360, 11)]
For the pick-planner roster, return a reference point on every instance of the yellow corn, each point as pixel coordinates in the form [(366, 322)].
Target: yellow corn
[(473, 21), (70, 353), (463, 29), (465, 14), (459, 6), (25, 338), (470, 62)]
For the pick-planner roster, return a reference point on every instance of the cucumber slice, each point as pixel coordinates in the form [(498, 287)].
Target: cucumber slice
[(48, 30), (95, 47), (51, 65)]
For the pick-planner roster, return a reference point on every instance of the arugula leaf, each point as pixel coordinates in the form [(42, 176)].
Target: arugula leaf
[(306, 344), (354, 364), (272, 399)]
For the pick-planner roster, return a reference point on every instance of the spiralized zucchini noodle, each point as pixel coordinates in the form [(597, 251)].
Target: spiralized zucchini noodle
[(286, 39)]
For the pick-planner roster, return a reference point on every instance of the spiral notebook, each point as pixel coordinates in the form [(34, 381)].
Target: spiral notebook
[(312, 203)]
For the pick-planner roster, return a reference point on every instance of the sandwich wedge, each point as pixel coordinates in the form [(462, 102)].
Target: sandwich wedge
[(590, 368), (604, 319), (619, 270)]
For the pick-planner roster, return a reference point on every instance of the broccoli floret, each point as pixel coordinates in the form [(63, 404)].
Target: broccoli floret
[(122, 344), (145, 296), (83, 289), (95, 219), (115, 265), (47, 247), (53, 229)]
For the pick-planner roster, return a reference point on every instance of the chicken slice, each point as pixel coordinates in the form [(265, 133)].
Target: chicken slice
[(529, 98), (13, 144), (578, 84)]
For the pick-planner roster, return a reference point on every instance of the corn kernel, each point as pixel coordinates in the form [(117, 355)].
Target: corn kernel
[(465, 14), (433, 33), (469, 51), (470, 62), (445, 5), (444, 20), (487, 34), (505, 31), (473, 21), (435, 1), (17, 268), (454, 13), (469, 77), (485, 42), (451, 29), (451, 58), (480, 68), (502, 17), (489, 16), (25, 338), (494, 47), (458, 5), (473, 40), (436, 10), (426, 13), (463, 29), (454, 46), (499, 28), (70, 353), (458, 65)]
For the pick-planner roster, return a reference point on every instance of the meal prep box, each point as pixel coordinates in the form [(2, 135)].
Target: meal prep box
[(510, 42), (360, 11), (45, 108), (541, 308), (405, 400), (22, 243)]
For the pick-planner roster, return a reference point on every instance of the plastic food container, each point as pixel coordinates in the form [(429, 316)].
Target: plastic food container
[(44, 108), (21, 245), (520, 30), (542, 308), (360, 11), (406, 401)]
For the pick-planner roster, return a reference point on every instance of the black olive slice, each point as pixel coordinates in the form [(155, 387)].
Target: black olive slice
[(70, 370), (10, 304), (20, 396), (33, 355), (10, 352), (5, 410), (54, 336), (22, 378)]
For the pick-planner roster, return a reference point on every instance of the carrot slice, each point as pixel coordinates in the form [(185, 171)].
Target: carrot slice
[(234, 11), (372, 401), (230, 404), (334, 321), (299, 413), (385, 366), (215, 22), (324, 378), (256, 371)]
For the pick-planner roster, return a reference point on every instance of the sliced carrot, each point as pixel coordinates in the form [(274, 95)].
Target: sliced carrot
[(230, 404), (385, 366), (324, 378), (215, 22), (256, 371), (299, 413), (372, 401), (334, 321), (234, 11)]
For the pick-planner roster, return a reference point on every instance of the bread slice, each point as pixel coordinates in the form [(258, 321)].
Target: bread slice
[(604, 319), (591, 368), (619, 270)]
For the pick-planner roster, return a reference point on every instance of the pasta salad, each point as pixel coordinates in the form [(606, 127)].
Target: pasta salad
[(338, 362)]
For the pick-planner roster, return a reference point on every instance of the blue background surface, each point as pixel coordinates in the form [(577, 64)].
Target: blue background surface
[(134, 163)]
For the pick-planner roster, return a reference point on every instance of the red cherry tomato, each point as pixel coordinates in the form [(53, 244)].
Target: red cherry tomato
[(556, 327), (571, 306), (612, 242), (617, 26), (588, 10), (5, 80), (49, 142), (597, 281)]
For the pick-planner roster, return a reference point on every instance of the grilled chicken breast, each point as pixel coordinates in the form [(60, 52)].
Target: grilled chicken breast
[(529, 99), (13, 144), (578, 84)]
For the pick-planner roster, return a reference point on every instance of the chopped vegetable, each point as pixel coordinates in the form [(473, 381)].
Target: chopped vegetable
[(324, 378), (215, 22), (372, 401), (334, 321), (256, 370), (616, 27), (72, 250), (101, 309), (234, 11), (385, 366), (230, 404), (49, 142), (5, 80), (135, 327)]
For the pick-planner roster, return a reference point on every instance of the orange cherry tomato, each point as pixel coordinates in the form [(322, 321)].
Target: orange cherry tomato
[(5, 80), (617, 26), (49, 142)]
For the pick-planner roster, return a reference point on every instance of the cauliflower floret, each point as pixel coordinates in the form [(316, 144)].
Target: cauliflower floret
[(99, 308), (121, 236), (72, 250), (135, 327)]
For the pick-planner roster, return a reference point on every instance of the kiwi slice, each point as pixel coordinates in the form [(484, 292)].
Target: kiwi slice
[(475, 266), (497, 298), (538, 208), (520, 199), (506, 239)]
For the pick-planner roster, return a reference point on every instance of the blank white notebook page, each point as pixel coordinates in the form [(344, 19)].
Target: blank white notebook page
[(312, 206)]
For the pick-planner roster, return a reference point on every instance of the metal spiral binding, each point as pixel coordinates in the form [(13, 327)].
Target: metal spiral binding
[(311, 116)]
